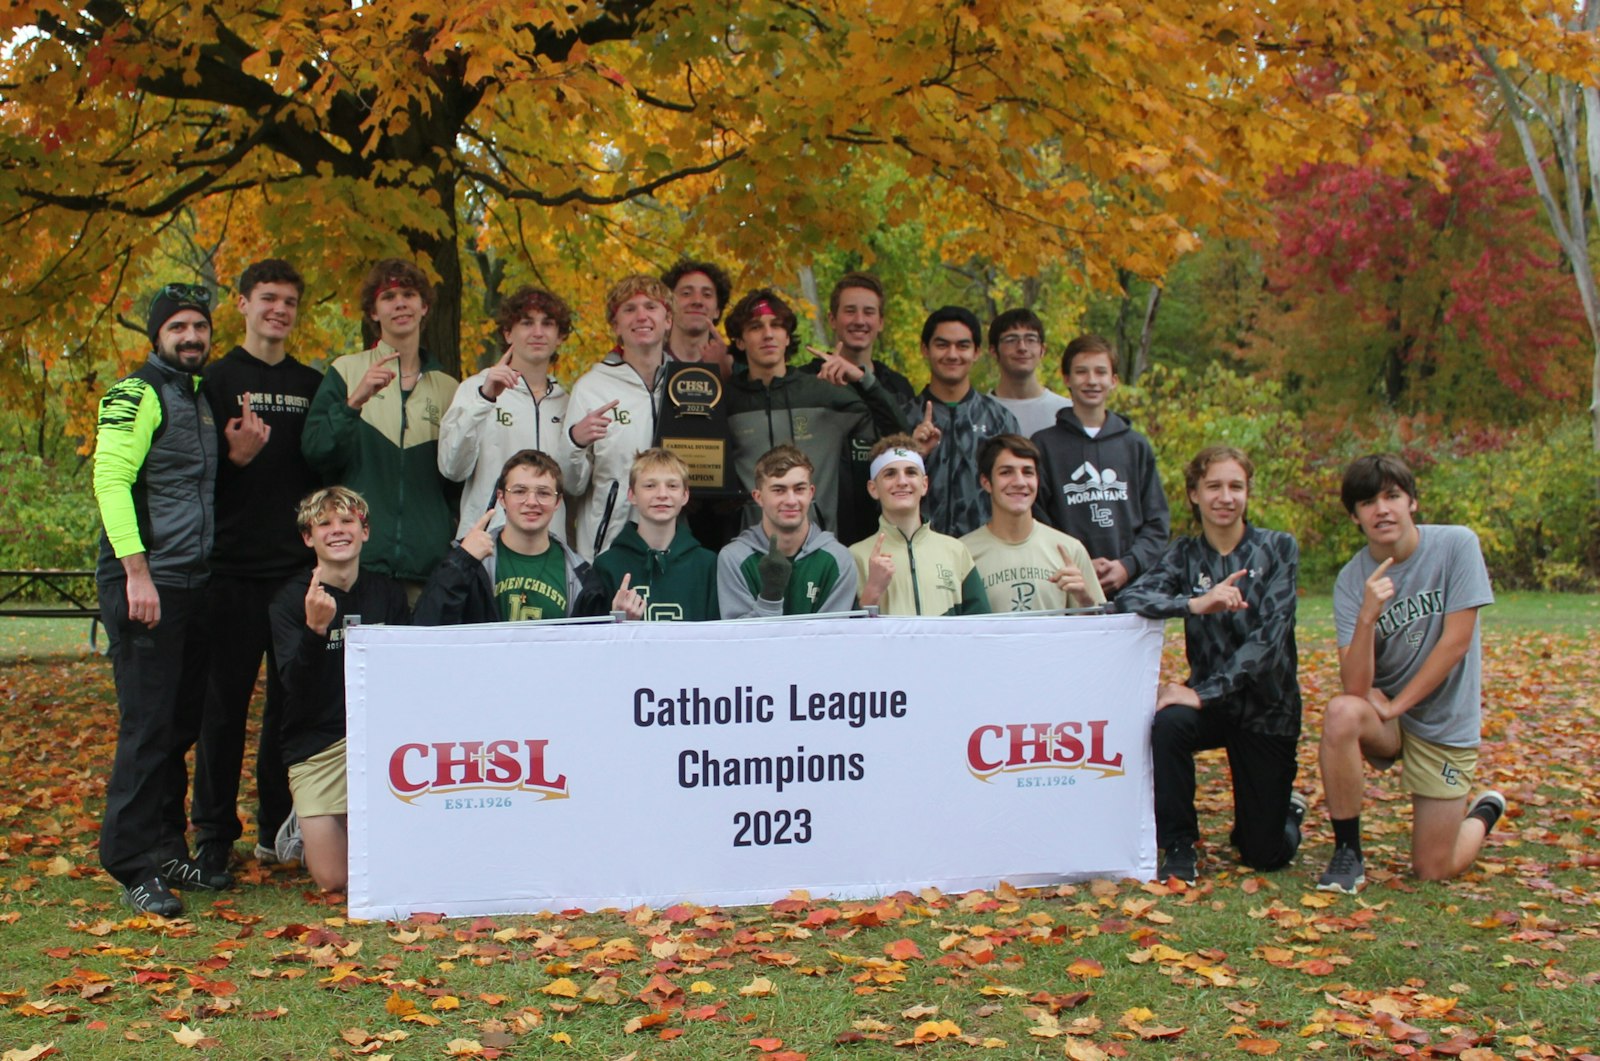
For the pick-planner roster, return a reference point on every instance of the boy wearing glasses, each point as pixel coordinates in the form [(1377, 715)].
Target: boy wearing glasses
[(520, 571), (952, 419), (1016, 339)]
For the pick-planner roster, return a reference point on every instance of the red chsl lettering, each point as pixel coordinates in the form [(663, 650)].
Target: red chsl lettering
[(991, 748), (417, 768)]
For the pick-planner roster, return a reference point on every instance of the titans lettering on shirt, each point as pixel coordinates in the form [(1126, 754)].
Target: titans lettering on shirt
[(1403, 613)]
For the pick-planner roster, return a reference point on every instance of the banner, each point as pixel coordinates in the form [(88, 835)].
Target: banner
[(514, 768)]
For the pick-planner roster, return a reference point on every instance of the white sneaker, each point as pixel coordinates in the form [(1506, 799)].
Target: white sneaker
[(288, 845)]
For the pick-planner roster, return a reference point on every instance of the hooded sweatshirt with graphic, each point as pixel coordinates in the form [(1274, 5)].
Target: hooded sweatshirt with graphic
[(823, 579), (677, 583), (1104, 491)]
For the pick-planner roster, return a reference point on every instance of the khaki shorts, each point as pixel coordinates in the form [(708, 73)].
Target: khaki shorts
[(318, 784), (1434, 771)]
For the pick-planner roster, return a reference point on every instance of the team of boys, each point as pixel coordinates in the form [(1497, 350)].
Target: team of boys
[(943, 520)]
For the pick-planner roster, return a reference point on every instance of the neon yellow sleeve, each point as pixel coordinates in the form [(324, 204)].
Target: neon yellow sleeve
[(129, 415)]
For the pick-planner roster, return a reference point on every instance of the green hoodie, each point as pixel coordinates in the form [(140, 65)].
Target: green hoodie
[(678, 583), (387, 451)]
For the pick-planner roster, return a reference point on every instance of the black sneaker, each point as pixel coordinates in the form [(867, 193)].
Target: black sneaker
[(153, 897), (1179, 861), (1489, 807), (213, 856), (186, 873), (1346, 872)]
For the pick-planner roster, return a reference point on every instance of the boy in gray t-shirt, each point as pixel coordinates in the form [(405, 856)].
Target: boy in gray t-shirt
[(1406, 613)]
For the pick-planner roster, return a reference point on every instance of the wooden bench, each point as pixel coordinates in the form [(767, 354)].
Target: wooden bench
[(71, 595)]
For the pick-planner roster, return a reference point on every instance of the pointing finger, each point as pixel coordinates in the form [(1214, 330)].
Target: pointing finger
[(247, 404), (877, 550), (483, 520), (1383, 567), (927, 414), (506, 360), (389, 357), (626, 580), (1236, 576), (817, 351), (612, 404), (316, 578)]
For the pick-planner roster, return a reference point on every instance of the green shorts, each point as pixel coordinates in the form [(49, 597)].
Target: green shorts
[(318, 784), (1434, 771)]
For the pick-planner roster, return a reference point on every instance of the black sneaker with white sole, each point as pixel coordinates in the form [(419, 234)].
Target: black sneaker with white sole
[(1346, 872), (153, 897), (185, 874)]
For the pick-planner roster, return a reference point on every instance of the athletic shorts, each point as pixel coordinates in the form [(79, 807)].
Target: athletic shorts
[(318, 784), (1434, 771)]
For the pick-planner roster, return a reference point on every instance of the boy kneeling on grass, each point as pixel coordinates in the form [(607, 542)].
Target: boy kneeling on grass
[(308, 622), (1406, 612)]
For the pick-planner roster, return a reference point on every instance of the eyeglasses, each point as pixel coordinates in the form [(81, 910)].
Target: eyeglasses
[(519, 494), (1026, 340), (186, 294)]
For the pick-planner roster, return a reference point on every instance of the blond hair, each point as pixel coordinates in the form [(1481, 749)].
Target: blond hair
[(341, 499)]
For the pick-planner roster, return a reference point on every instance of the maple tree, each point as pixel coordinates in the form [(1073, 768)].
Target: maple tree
[(1387, 291), (579, 140)]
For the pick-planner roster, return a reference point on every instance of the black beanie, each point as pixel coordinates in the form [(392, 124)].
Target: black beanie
[(170, 300)]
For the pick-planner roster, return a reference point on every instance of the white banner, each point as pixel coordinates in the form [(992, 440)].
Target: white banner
[(515, 768)]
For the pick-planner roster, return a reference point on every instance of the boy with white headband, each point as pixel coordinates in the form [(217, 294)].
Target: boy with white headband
[(909, 568)]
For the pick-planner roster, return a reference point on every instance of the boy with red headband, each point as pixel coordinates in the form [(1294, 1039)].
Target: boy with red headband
[(768, 405)]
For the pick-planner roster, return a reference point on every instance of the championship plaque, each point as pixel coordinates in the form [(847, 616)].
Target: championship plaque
[(694, 425)]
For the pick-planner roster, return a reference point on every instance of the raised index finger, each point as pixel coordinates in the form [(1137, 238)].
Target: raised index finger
[(1065, 559), (1236, 576), (877, 550), (246, 403), (927, 413), (1383, 567), (483, 520), (316, 578), (506, 360), (606, 408), (626, 579)]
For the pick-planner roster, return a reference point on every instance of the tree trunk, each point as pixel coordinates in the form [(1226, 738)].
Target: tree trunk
[(1147, 333)]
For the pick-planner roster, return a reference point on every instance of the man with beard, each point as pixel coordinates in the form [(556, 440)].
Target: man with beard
[(155, 471)]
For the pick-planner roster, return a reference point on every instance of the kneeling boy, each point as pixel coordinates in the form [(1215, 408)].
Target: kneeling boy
[(308, 617), (1234, 586), (1405, 609)]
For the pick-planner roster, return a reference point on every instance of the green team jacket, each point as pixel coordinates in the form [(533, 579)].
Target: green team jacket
[(388, 452), (678, 583)]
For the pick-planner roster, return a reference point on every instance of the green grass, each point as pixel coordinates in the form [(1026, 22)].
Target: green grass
[(46, 639), (1515, 611), (1515, 942)]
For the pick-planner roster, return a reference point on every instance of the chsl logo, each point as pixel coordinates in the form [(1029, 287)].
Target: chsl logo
[(1025, 746), (417, 770)]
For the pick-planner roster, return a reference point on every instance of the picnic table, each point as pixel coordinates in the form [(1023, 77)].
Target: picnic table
[(71, 595)]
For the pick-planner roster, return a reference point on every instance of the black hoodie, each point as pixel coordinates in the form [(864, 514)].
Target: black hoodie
[(1104, 491)]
